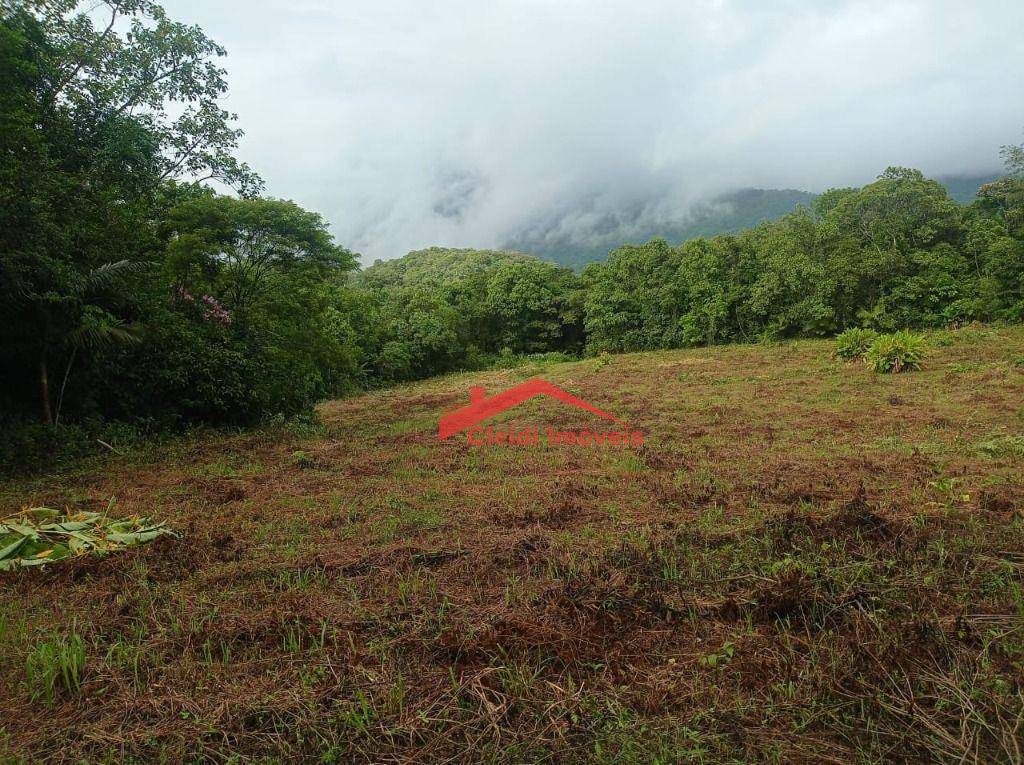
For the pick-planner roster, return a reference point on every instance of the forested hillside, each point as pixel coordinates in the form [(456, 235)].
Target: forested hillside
[(895, 253), (135, 299), (575, 246), (725, 214), (657, 480), (964, 188), (438, 266)]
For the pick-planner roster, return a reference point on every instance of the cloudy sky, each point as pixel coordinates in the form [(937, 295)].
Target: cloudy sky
[(459, 122)]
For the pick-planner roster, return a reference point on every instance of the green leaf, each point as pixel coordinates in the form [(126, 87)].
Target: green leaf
[(9, 549), (43, 536), (39, 514), (27, 531)]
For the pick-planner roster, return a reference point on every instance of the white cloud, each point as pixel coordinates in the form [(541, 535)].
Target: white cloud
[(409, 124)]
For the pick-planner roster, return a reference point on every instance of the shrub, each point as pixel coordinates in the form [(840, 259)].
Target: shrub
[(898, 352), (507, 359), (551, 357), (28, 446), (854, 343)]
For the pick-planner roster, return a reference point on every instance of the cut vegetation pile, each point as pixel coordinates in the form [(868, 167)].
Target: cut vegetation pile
[(806, 562), (38, 536)]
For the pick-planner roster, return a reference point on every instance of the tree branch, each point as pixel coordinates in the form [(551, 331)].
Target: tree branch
[(82, 60)]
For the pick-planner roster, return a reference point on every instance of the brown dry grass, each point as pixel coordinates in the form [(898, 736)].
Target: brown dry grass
[(806, 562)]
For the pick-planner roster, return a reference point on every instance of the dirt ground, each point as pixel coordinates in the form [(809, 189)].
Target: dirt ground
[(804, 562)]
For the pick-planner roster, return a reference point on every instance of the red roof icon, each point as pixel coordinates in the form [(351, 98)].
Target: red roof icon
[(481, 408)]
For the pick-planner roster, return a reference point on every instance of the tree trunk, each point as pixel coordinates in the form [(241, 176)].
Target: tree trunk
[(44, 391), (63, 385)]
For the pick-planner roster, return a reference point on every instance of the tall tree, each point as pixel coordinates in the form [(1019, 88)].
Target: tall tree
[(237, 248), (95, 120)]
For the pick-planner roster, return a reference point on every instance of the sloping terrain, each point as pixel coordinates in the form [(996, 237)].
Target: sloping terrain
[(805, 562)]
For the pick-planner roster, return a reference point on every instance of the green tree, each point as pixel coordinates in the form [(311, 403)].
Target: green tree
[(95, 120), (720, 273), (1013, 156), (530, 304), (787, 297), (422, 335), (875, 239), (635, 300), (995, 240), (898, 213), (240, 249), (827, 200)]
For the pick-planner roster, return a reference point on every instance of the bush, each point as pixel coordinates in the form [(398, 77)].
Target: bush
[(854, 343), (898, 352), (190, 372), (27, 446), (507, 359)]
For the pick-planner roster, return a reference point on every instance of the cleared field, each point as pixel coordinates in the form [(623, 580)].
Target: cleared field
[(805, 562)]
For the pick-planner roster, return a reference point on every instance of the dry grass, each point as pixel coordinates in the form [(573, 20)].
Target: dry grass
[(807, 562)]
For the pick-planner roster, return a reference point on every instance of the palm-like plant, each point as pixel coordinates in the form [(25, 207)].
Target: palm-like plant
[(79, 319)]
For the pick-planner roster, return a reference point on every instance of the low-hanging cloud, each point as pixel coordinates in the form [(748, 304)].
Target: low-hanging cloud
[(457, 123)]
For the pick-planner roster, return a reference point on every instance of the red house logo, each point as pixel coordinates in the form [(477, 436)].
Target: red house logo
[(481, 408)]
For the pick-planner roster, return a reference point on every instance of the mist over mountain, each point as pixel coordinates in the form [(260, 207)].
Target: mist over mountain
[(963, 188), (586, 233), (547, 125), (582, 236)]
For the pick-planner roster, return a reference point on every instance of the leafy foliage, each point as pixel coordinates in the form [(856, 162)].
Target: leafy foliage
[(853, 343), (439, 310), (98, 120), (899, 352), (438, 266), (241, 249), (40, 535), (896, 253), (634, 301)]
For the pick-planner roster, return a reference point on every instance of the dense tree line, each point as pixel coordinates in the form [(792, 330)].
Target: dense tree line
[(896, 253), (131, 292)]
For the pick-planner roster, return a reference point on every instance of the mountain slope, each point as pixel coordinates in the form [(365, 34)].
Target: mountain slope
[(576, 245), (796, 540), (964, 188)]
